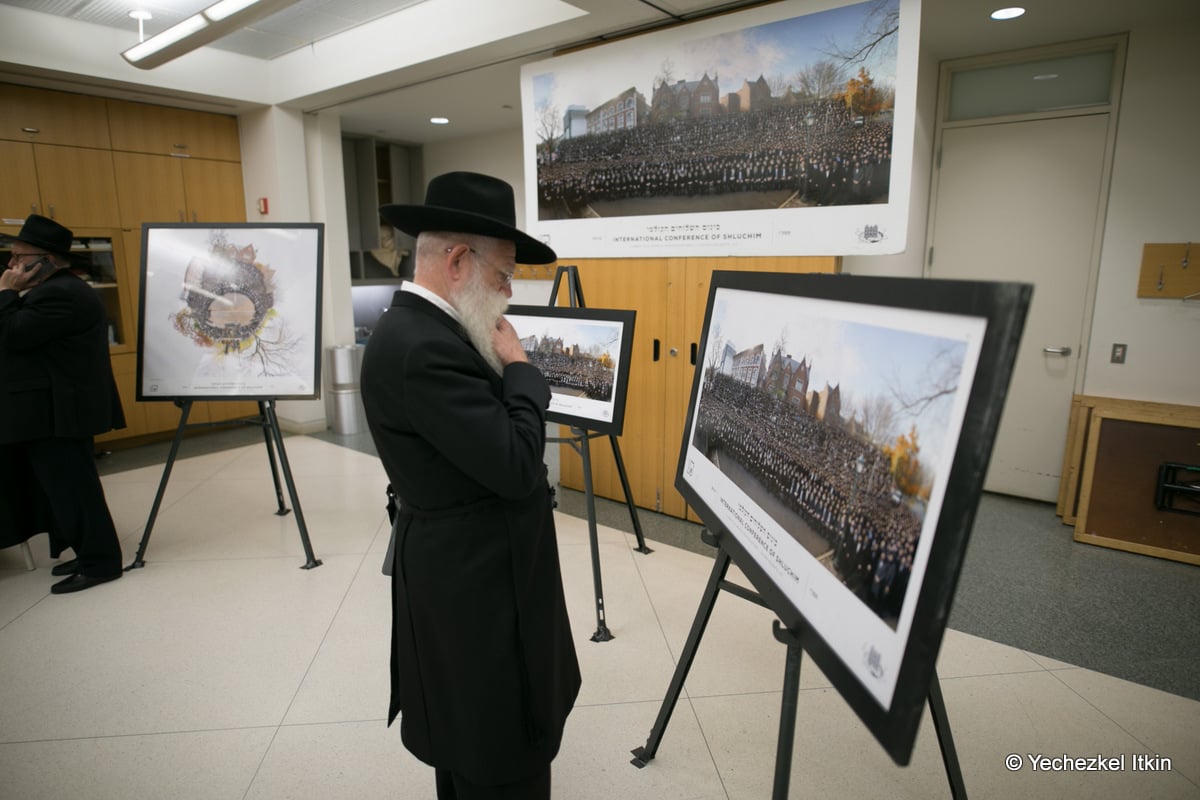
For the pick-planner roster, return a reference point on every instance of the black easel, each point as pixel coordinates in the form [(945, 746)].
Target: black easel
[(791, 687), (267, 420), (579, 443)]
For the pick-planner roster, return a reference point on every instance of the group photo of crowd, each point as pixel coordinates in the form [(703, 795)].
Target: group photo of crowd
[(579, 374), (835, 484), (803, 154)]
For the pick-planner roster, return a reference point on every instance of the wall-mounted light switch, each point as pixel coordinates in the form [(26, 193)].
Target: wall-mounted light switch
[(1118, 354)]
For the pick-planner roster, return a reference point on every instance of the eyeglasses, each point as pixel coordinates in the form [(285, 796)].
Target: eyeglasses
[(14, 256), (505, 277)]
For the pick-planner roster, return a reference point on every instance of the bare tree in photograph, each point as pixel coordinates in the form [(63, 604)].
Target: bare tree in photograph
[(878, 32), (820, 80), (940, 381), (716, 349), (549, 129), (878, 419)]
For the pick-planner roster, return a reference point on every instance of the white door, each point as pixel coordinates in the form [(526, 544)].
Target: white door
[(1018, 202)]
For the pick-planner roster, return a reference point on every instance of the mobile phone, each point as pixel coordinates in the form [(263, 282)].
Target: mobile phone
[(35, 269)]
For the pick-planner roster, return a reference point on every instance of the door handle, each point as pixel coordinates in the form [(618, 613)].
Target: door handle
[(1057, 351)]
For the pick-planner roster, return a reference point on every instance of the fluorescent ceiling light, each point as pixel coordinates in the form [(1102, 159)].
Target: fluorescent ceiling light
[(141, 53), (1008, 13), (218, 20), (439, 120), (226, 8)]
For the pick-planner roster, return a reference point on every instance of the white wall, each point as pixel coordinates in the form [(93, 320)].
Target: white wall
[(497, 154), (296, 162), (1155, 180)]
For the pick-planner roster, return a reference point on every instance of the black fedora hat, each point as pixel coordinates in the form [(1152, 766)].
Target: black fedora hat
[(467, 202), (45, 233)]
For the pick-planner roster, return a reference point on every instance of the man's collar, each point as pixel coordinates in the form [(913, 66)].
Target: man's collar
[(433, 297)]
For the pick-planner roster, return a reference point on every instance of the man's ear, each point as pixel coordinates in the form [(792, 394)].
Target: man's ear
[(454, 262)]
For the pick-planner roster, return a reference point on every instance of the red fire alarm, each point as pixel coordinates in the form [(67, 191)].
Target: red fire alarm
[(262, 205)]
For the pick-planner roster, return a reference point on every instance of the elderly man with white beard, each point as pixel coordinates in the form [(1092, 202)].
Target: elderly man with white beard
[(483, 666)]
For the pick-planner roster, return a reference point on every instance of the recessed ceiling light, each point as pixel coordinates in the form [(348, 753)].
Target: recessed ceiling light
[(1008, 13), (1048, 76), (439, 120)]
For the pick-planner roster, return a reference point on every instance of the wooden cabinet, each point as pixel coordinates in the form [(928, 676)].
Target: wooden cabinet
[(77, 186), (166, 189), (19, 196), (48, 117), (214, 191), (160, 130), (669, 296), (73, 185)]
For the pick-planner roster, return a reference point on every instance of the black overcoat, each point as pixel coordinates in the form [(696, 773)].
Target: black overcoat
[(484, 671), (56, 379)]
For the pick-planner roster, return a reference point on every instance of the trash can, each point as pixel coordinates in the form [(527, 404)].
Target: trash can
[(345, 366)]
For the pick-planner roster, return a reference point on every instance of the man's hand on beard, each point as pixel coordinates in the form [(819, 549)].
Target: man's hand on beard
[(507, 344)]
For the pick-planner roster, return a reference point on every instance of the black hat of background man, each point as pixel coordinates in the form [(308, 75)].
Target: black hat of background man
[(47, 234), (467, 202)]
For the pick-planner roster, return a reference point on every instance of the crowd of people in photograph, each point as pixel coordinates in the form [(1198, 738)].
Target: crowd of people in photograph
[(583, 373), (840, 485), (819, 151)]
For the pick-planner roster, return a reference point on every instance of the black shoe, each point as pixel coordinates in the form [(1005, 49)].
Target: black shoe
[(79, 582), (65, 567)]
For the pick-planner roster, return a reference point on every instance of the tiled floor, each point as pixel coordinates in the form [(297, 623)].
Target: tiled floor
[(223, 670)]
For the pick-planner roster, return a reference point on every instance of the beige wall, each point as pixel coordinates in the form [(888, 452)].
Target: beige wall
[(1155, 180)]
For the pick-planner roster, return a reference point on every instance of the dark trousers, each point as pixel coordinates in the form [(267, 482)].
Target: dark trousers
[(66, 471), (455, 787)]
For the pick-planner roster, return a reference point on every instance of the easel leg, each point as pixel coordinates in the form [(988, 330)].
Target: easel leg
[(643, 755), (787, 711), (941, 725), (138, 561), (273, 423), (602, 634), (637, 525), (262, 412)]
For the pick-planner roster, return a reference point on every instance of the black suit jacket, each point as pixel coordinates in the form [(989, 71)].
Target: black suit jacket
[(56, 378), (484, 671)]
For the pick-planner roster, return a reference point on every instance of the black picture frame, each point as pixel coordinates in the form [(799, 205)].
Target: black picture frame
[(793, 482), (608, 333), (230, 311)]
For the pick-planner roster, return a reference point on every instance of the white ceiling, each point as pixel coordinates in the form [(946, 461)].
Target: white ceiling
[(478, 89), (287, 30)]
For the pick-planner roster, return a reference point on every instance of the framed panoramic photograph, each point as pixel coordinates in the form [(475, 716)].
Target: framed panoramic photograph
[(837, 437), (782, 129), (584, 355), (230, 311)]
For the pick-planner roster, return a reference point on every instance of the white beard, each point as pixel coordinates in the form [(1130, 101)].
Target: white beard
[(481, 307)]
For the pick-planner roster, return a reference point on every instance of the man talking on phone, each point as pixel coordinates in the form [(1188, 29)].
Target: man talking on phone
[(57, 392)]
